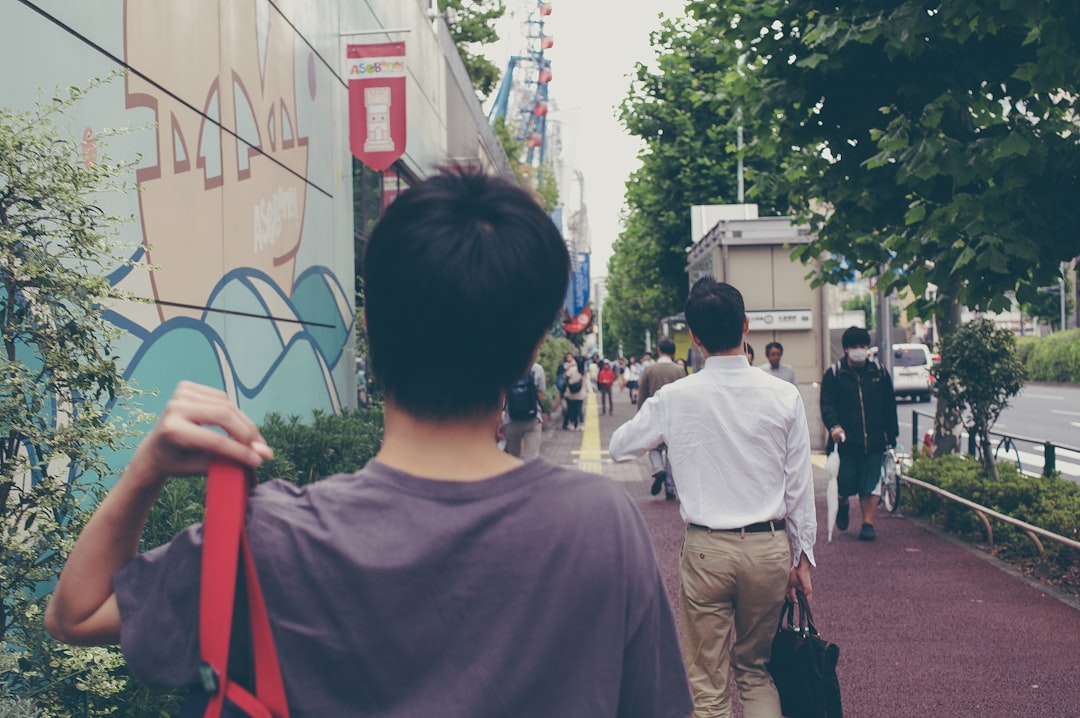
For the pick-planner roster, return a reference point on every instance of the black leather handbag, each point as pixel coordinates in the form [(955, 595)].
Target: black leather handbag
[(803, 666)]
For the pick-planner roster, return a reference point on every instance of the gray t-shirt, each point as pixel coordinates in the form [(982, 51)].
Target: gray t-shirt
[(533, 593)]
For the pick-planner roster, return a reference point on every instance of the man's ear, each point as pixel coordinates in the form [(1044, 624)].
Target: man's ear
[(745, 325), (694, 340)]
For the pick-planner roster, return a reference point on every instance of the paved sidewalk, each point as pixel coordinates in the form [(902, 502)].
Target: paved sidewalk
[(927, 626), (587, 450)]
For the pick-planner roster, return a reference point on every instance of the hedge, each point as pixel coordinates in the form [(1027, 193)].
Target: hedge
[(1053, 358), (1051, 503)]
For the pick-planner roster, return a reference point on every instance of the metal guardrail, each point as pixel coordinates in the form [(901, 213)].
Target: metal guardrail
[(1049, 447), (1033, 532)]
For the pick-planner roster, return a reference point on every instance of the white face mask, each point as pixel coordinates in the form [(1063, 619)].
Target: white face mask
[(857, 356)]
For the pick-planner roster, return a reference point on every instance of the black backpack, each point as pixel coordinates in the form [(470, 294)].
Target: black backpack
[(521, 400)]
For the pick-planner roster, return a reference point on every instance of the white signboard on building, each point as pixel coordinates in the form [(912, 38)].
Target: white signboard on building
[(772, 320)]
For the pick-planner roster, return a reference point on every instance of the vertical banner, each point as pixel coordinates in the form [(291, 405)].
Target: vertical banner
[(577, 289), (581, 284), (376, 77)]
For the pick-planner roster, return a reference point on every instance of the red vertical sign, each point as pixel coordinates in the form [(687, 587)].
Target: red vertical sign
[(376, 77)]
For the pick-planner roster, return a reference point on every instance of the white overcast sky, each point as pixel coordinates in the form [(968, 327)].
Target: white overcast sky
[(597, 43)]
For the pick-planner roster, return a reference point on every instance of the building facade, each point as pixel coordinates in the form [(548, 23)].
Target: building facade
[(248, 208)]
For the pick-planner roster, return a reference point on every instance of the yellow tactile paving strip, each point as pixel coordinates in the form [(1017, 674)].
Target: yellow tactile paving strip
[(590, 457)]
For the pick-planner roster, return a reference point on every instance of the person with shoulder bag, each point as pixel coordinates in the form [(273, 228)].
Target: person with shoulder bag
[(434, 580)]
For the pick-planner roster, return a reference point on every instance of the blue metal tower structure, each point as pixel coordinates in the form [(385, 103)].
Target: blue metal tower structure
[(522, 99)]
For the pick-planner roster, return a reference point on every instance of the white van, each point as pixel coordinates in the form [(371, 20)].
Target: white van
[(911, 373)]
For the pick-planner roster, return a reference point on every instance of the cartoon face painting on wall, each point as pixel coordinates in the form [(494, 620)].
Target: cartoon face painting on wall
[(232, 167)]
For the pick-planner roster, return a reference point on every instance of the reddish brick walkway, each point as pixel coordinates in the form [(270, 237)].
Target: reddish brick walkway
[(926, 626)]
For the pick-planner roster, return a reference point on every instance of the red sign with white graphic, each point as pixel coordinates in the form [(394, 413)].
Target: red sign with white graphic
[(376, 77), (579, 323)]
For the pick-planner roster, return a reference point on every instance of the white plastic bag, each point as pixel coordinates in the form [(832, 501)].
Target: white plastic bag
[(832, 499)]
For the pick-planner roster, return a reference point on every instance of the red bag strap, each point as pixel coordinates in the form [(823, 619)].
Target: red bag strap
[(224, 545)]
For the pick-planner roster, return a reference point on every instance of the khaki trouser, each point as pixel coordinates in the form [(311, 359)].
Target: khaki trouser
[(732, 580)]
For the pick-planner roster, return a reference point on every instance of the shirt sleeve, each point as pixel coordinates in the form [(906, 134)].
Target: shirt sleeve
[(539, 379), (643, 432), (158, 595), (800, 513)]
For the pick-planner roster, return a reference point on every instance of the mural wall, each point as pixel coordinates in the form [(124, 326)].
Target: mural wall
[(242, 222)]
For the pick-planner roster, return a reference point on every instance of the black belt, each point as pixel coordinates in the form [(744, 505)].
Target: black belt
[(774, 525)]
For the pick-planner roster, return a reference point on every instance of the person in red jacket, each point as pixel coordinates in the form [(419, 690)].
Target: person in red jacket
[(604, 381)]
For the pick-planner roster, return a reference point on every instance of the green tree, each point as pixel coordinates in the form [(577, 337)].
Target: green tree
[(1047, 304), (540, 180), (58, 376), (689, 158), (867, 303), (472, 23), (924, 143), (978, 374)]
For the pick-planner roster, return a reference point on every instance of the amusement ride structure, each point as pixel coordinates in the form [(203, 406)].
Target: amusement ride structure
[(522, 99)]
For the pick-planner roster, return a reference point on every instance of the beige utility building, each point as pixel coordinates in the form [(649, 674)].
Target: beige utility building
[(734, 245)]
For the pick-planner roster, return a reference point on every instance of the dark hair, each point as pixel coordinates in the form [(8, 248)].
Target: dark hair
[(666, 346), (773, 345), (855, 337), (716, 314), (748, 349), (454, 257)]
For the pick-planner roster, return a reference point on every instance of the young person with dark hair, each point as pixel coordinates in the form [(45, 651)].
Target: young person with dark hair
[(739, 449), (859, 408), (445, 577)]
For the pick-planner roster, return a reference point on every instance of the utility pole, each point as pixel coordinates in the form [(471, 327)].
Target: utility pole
[(1061, 292), (884, 326)]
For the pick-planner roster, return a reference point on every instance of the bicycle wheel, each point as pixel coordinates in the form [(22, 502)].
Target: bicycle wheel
[(890, 482)]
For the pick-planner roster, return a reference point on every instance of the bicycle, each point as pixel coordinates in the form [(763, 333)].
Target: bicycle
[(891, 472), (1009, 445)]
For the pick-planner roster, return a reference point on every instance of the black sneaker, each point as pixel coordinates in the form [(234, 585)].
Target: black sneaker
[(867, 532), (657, 482), (842, 515), (670, 495)]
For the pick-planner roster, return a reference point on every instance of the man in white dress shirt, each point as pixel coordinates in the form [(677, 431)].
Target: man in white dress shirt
[(739, 448)]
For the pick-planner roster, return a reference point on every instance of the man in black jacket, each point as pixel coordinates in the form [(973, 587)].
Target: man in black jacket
[(859, 408)]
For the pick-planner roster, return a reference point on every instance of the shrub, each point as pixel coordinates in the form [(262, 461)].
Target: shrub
[(328, 444), (1024, 345), (1051, 503), (1055, 358)]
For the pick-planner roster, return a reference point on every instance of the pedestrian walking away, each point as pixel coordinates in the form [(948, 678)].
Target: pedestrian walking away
[(739, 448), (660, 373), (859, 408), (524, 427), (434, 581), (605, 380), (633, 376), (576, 391)]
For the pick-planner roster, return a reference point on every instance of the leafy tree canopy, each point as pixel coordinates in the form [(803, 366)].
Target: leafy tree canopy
[(689, 158), (937, 141), (472, 23)]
